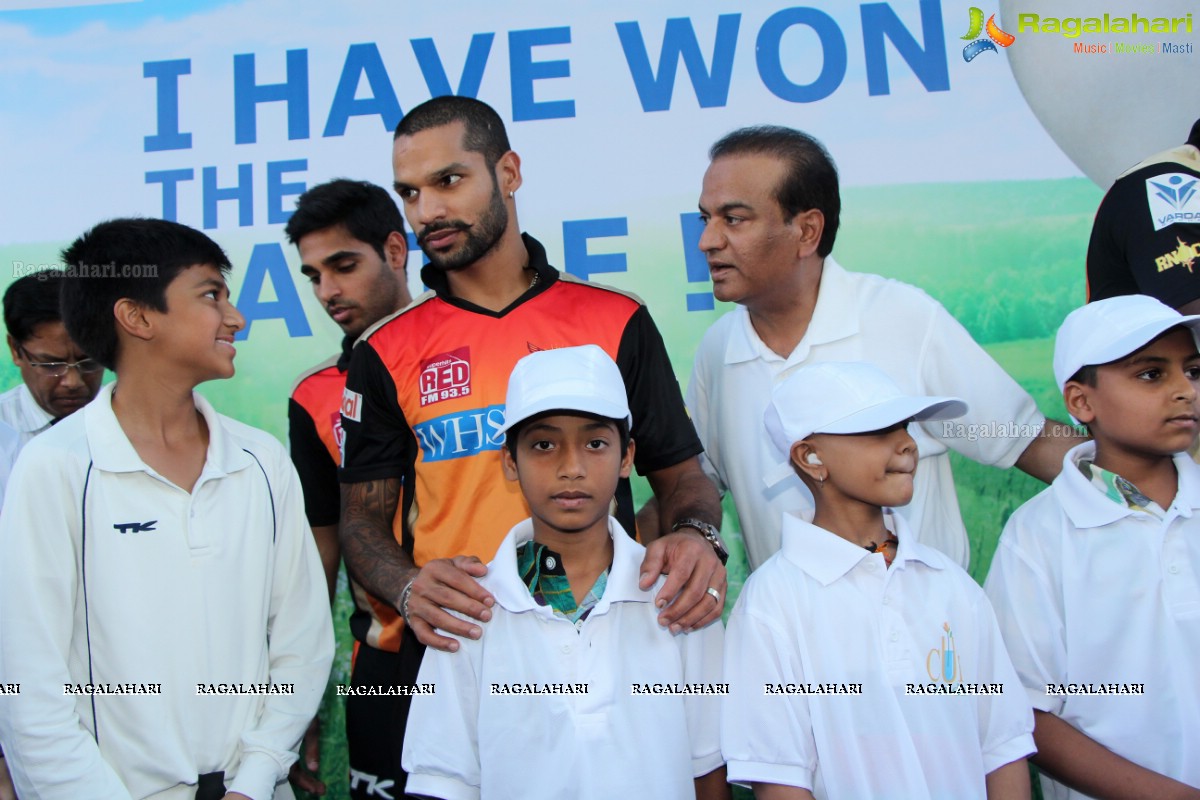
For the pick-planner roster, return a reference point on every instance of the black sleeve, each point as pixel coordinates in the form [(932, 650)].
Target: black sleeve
[(1128, 255), (376, 432), (662, 429), (317, 470), (1108, 271)]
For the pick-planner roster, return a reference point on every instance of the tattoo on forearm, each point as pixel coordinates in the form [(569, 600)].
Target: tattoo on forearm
[(373, 556)]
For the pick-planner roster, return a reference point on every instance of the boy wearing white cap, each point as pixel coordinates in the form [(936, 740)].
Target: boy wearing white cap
[(1095, 579), (574, 690), (862, 663)]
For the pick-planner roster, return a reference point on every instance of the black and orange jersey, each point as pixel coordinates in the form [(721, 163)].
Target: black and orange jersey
[(315, 435), (425, 398)]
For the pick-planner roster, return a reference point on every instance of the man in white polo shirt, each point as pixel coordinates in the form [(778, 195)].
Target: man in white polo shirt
[(770, 202)]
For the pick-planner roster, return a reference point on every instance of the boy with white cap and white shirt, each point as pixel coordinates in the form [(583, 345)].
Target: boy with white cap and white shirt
[(574, 690), (862, 663), (1095, 579)]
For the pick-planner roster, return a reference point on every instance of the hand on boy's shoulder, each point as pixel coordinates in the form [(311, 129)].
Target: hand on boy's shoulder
[(691, 568), (444, 585), (236, 796)]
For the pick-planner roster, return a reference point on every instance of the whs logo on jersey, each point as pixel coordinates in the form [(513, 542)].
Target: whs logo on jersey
[(462, 434)]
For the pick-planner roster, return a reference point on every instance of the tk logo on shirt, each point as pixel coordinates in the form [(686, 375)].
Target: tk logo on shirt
[(446, 376), (135, 527)]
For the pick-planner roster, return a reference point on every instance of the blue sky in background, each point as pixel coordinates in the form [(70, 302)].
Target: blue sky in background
[(67, 18)]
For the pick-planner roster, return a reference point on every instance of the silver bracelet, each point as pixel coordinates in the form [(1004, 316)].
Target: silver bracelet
[(405, 593)]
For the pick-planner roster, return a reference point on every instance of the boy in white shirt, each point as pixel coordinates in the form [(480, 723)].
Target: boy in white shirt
[(861, 662), (574, 690), (162, 604), (1095, 580)]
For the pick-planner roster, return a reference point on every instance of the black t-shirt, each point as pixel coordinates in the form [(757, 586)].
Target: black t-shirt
[(1146, 236), (315, 435)]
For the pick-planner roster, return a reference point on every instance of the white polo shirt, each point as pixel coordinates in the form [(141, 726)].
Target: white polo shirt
[(1091, 593), (858, 317), (467, 741), (19, 410), (10, 446), (111, 575), (824, 611)]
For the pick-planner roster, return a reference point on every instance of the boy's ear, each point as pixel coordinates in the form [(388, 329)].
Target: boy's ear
[(13, 348), (132, 319), (627, 460), (805, 460), (508, 463), (1078, 399)]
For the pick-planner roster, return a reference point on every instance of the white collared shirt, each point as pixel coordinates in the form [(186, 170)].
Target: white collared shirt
[(10, 446), (858, 317), (826, 611), (1090, 591), (465, 741), (111, 574), (19, 410)]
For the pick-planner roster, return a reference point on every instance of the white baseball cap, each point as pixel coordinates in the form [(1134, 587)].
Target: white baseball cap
[(581, 379), (1107, 330), (845, 397)]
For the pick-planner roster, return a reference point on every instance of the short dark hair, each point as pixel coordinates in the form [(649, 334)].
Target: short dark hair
[(131, 258), (484, 129), (31, 301), (811, 180), (1194, 136), (366, 211), (514, 433), (1087, 375)]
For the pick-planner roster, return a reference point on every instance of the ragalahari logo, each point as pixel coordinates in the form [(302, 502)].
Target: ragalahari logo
[(994, 34)]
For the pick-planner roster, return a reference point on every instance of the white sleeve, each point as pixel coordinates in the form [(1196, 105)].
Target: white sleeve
[(1005, 720), (10, 447), (764, 738), (300, 642), (50, 754), (703, 651), (1002, 419), (1029, 613), (441, 742), (697, 400)]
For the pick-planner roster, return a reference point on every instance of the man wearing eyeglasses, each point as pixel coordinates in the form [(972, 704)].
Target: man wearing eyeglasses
[(57, 377)]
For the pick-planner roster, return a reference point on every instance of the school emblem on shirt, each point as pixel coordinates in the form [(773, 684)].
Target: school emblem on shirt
[(942, 662), (446, 376)]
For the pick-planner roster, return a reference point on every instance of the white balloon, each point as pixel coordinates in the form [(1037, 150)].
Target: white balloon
[(1107, 111)]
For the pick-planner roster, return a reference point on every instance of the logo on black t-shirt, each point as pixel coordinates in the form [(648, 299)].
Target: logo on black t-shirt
[(1173, 198)]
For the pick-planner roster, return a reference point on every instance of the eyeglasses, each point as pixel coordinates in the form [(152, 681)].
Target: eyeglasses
[(57, 369)]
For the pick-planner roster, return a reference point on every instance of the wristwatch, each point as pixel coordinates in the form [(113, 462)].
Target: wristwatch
[(709, 532)]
